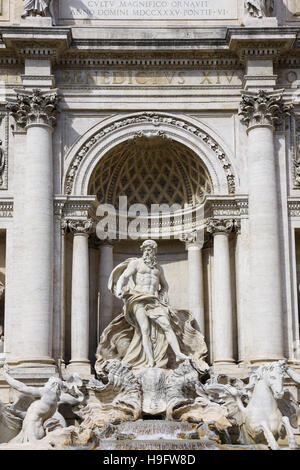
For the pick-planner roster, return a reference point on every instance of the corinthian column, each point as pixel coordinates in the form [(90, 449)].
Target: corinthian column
[(222, 321), (261, 112), (80, 297), (106, 265), (194, 245), (35, 111)]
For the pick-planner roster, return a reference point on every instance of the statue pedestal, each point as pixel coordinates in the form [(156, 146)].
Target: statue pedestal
[(270, 22), (37, 21)]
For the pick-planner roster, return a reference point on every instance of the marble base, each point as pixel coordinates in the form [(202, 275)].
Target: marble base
[(83, 369), (261, 22), (37, 21)]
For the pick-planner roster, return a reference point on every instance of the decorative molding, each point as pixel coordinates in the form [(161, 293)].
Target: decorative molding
[(157, 119), (233, 208), (217, 226), (6, 208), (193, 239), (77, 208), (100, 60), (35, 107), (80, 227), (264, 108), (294, 208)]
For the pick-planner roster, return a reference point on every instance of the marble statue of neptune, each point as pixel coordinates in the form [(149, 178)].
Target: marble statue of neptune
[(36, 7), (148, 328)]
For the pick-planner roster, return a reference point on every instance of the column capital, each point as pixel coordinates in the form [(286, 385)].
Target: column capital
[(192, 239), (262, 108), (34, 108), (80, 227), (221, 226)]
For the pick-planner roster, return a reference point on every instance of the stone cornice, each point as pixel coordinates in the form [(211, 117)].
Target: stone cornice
[(239, 41), (27, 41), (74, 208)]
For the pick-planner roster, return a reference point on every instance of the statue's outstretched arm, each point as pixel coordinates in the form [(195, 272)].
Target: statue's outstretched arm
[(20, 387)]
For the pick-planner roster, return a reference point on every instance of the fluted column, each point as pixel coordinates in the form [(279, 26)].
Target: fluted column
[(261, 112), (194, 245), (35, 111), (80, 297), (222, 320), (106, 301)]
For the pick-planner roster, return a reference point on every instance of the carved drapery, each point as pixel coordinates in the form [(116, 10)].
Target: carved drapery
[(263, 108), (35, 107)]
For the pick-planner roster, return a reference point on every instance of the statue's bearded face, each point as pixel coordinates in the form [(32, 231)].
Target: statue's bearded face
[(149, 256)]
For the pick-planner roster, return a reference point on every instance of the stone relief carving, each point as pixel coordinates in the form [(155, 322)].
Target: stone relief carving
[(151, 362), (34, 107), (37, 8), (192, 238), (259, 8), (256, 410), (264, 108), (156, 120), (256, 406), (79, 226), (116, 396), (148, 328), (221, 226), (44, 406)]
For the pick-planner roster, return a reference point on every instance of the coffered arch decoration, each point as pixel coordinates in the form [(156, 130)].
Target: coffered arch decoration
[(151, 170), (215, 160)]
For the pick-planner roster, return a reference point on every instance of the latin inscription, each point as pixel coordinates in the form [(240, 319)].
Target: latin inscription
[(149, 9)]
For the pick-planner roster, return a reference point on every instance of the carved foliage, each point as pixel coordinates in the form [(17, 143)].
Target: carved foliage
[(34, 108), (220, 226), (79, 226), (263, 108)]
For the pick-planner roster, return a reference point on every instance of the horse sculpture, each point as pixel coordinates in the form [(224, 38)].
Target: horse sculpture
[(256, 409)]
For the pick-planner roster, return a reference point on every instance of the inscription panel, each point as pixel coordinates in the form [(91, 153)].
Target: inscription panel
[(148, 78), (148, 9)]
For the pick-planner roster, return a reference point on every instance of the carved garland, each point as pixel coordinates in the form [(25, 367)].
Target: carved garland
[(156, 120)]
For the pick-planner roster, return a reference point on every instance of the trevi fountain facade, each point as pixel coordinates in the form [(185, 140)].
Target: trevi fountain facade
[(150, 224)]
